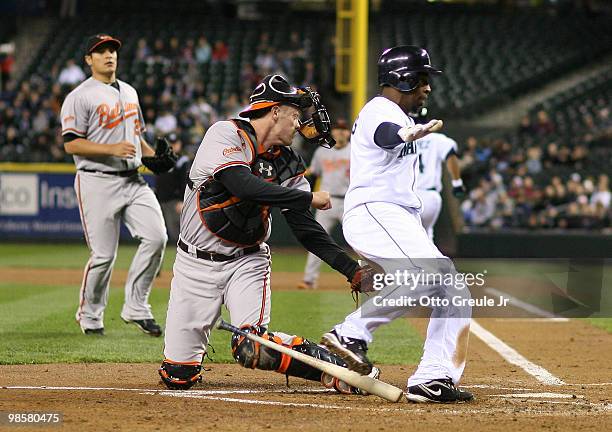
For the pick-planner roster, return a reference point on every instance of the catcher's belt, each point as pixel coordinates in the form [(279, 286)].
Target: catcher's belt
[(246, 223)]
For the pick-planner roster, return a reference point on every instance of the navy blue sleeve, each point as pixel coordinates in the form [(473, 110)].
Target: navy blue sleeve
[(386, 135), (450, 153)]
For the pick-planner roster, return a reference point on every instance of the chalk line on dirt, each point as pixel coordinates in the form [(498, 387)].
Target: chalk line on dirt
[(512, 356)]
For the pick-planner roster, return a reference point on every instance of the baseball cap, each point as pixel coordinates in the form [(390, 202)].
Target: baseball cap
[(96, 40), (275, 90)]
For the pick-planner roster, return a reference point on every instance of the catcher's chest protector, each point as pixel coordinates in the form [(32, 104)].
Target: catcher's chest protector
[(239, 222)]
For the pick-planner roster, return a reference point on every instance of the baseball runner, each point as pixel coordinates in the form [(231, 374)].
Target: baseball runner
[(381, 222), (102, 126), (332, 167), (434, 149), (241, 169)]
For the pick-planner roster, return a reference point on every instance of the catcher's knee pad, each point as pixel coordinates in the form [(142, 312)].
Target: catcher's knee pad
[(180, 376)]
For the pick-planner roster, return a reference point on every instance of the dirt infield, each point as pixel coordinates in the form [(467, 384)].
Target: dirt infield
[(508, 396)]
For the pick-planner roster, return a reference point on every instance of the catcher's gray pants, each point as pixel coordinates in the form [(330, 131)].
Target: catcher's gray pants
[(104, 201), (199, 288), (328, 220)]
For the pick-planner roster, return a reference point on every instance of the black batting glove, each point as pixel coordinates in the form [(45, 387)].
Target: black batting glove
[(459, 190)]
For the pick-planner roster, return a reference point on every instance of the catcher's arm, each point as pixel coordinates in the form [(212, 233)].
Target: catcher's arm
[(314, 238)]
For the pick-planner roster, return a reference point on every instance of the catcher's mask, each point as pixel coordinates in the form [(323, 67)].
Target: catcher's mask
[(275, 90), (317, 129)]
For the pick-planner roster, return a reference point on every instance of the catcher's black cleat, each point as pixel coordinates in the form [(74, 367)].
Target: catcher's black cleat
[(438, 391), (93, 332), (352, 351), (148, 326)]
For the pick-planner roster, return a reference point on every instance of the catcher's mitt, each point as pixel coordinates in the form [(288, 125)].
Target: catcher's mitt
[(164, 159), (363, 279)]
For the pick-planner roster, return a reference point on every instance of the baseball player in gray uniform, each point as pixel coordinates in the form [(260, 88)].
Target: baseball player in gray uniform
[(241, 169), (332, 167), (434, 149), (102, 126)]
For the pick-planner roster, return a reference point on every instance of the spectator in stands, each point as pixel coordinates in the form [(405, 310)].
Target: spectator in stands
[(602, 195), (543, 124), (188, 52), (266, 61), (525, 127), (220, 53), (534, 164), (71, 74), (232, 106), (203, 52), (6, 68), (166, 122), (264, 42), (160, 52), (143, 52), (203, 112)]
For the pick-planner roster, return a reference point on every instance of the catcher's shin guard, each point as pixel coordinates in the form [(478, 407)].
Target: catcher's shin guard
[(252, 355), (180, 376)]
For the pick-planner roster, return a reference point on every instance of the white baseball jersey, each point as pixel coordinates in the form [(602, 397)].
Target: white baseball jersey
[(104, 115), (433, 151), (379, 174), (332, 166)]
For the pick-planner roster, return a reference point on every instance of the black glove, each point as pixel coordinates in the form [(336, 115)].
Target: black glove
[(459, 189), (164, 159)]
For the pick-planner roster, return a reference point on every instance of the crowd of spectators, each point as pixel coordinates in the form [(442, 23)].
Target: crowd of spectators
[(170, 78), (552, 185)]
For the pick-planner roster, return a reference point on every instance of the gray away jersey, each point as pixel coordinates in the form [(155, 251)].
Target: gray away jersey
[(100, 113), (221, 148), (332, 166), (433, 150)]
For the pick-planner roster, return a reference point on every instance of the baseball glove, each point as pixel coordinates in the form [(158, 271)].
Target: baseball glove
[(164, 159), (363, 279)]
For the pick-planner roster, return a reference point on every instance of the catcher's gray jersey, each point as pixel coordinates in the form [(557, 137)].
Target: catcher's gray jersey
[(221, 147), (104, 115), (332, 166)]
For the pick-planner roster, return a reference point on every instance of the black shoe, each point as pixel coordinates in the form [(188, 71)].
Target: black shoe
[(148, 326), (352, 351), (438, 391), (93, 332)]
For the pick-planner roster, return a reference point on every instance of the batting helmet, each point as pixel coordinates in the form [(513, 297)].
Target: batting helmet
[(400, 66)]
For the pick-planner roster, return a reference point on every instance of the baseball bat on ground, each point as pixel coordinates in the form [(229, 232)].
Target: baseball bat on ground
[(371, 385)]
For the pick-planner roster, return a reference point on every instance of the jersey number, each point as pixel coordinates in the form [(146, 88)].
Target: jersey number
[(421, 166)]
